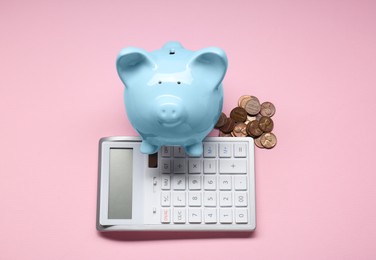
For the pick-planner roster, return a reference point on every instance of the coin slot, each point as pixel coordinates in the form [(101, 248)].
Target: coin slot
[(153, 160)]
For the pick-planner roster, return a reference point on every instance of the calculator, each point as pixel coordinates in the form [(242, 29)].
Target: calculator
[(171, 191)]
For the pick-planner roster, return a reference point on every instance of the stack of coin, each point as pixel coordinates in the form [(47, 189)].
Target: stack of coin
[(250, 118)]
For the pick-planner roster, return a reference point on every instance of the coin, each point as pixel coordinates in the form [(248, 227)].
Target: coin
[(253, 106), (268, 140), (258, 142), (243, 99), (221, 134), (267, 109), (221, 121), (266, 124), (253, 129), (238, 114), (228, 126), (240, 130)]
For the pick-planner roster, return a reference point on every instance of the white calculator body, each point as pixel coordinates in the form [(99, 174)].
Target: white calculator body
[(170, 191)]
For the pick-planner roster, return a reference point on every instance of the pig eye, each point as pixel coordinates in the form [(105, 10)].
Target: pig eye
[(159, 82), (178, 82), (172, 52)]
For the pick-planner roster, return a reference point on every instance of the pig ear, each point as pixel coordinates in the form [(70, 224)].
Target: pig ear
[(132, 63), (210, 65)]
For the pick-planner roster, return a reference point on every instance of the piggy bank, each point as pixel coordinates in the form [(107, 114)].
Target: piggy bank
[(173, 96)]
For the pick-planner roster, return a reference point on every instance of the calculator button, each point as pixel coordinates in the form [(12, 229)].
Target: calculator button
[(210, 199), (166, 151), (179, 166), (165, 199), (233, 166), (165, 182), (178, 198), (240, 182), (194, 166), (225, 150), (225, 199), (178, 182), (194, 199), (240, 150), (225, 182), (179, 151), (194, 215), (210, 216), (194, 182), (210, 150), (210, 183), (241, 216), (179, 215), (210, 166), (225, 216), (166, 166), (241, 199), (165, 215)]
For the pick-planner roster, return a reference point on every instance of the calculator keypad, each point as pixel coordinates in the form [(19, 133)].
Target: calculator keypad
[(211, 189)]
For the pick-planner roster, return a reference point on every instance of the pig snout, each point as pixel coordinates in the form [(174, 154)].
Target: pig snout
[(170, 111)]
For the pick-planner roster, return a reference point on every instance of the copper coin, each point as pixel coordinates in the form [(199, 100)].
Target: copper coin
[(253, 129), (240, 130), (238, 114), (243, 99), (267, 109), (221, 121), (228, 126), (268, 140), (253, 106), (221, 134), (266, 124), (258, 142), (258, 116)]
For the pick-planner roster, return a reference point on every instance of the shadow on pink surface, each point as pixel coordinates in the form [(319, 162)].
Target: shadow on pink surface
[(148, 235)]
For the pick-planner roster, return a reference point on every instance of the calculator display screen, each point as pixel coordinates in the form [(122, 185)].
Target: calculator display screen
[(120, 183)]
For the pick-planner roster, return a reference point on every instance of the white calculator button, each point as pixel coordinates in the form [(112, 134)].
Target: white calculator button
[(179, 215), (165, 215), (225, 150), (240, 182), (210, 183), (210, 199), (194, 166), (179, 166), (178, 198), (210, 150), (210, 166), (225, 182), (166, 166), (241, 199), (194, 215), (241, 216), (194, 199), (225, 216), (225, 199), (165, 182), (165, 199), (240, 150), (233, 166), (179, 151), (210, 216), (178, 182), (194, 182), (166, 151)]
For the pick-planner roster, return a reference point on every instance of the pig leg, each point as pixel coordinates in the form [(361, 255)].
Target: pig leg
[(148, 148), (194, 149)]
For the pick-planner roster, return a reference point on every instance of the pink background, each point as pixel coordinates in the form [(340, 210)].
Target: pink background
[(59, 93)]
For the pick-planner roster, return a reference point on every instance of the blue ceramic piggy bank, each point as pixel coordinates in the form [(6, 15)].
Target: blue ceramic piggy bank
[(173, 96)]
